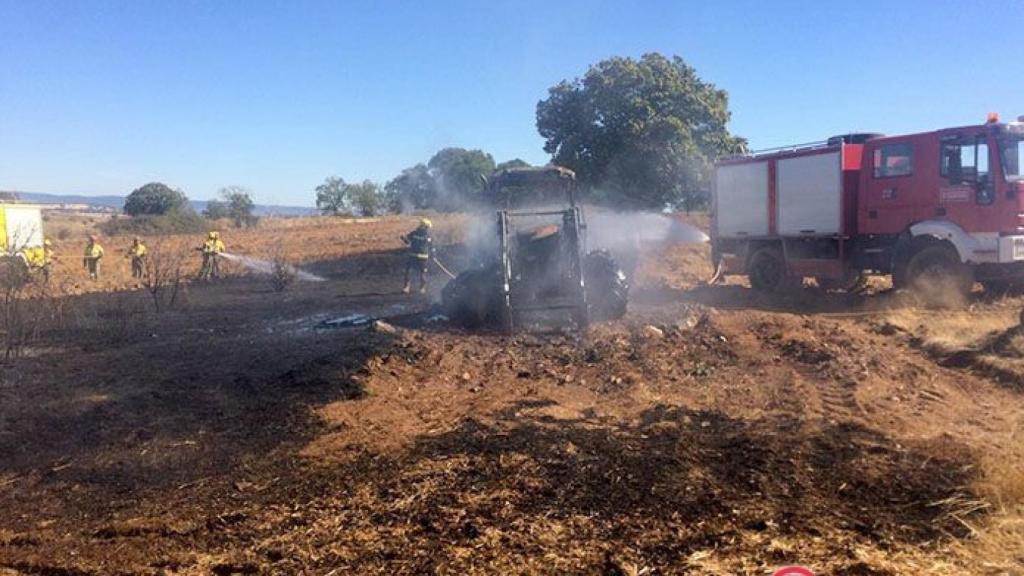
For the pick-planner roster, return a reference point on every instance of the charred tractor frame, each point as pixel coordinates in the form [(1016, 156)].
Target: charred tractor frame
[(538, 274)]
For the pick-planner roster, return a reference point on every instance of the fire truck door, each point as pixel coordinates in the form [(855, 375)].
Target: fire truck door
[(889, 191)]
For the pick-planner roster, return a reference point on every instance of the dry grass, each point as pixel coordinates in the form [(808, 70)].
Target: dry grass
[(998, 543), (948, 331)]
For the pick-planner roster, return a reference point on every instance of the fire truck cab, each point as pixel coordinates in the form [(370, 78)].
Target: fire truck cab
[(943, 207)]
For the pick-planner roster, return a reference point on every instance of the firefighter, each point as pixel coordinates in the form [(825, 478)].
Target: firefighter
[(137, 253), (421, 249), (48, 258), (39, 258), (211, 249), (91, 258)]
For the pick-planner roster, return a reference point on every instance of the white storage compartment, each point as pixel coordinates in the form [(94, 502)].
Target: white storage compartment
[(809, 195), (741, 200), (22, 227)]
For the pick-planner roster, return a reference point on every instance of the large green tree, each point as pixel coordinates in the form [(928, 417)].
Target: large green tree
[(154, 199), (513, 163), (239, 206), (330, 196), (458, 174), (366, 198), (639, 133), (413, 189)]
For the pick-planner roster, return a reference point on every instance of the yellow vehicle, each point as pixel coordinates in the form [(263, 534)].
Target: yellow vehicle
[(21, 233), (21, 226)]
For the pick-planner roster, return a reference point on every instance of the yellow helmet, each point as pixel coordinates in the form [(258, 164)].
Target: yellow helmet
[(426, 223), (213, 235), (46, 242)]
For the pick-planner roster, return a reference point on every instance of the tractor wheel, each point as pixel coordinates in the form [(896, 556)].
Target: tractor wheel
[(473, 298), (768, 271), (606, 285), (936, 274)]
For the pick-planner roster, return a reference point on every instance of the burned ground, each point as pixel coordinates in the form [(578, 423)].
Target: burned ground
[(711, 431)]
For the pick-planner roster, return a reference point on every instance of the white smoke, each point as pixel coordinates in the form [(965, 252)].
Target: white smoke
[(625, 234)]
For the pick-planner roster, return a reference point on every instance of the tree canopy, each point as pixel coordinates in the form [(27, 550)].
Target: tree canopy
[(330, 196), (458, 174), (513, 163), (640, 133), (335, 196), (236, 204), (154, 199), (413, 189), (366, 198)]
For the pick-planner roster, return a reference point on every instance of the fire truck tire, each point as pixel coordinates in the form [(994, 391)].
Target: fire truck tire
[(473, 298), (767, 271), (935, 273), (1003, 287), (607, 287)]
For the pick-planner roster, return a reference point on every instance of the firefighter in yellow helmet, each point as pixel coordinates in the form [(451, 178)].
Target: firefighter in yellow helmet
[(421, 249), (137, 252), (46, 261), (211, 249), (91, 258)]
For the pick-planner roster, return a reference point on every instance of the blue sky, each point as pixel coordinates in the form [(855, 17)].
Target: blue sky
[(101, 97)]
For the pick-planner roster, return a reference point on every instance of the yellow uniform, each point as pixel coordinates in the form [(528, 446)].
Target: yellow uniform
[(35, 257), (91, 258), (137, 252), (211, 248)]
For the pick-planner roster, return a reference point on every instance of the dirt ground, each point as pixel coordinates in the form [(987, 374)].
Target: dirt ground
[(711, 431)]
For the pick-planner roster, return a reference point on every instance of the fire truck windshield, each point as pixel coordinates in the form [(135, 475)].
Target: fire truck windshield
[(1012, 151)]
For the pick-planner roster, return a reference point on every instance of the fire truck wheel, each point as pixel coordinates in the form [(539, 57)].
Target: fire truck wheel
[(768, 271), (1003, 287), (937, 276)]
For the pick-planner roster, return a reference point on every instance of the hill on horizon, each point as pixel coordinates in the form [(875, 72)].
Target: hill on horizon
[(110, 201)]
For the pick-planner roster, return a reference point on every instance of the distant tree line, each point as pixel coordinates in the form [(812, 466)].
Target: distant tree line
[(639, 133), (451, 180), (156, 208)]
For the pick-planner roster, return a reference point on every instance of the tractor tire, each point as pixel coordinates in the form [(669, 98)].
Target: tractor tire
[(937, 276), (767, 271), (606, 285), (473, 298)]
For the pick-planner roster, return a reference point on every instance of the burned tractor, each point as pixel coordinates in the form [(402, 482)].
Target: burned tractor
[(536, 273)]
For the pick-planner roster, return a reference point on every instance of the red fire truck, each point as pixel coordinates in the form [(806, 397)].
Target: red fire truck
[(943, 207)]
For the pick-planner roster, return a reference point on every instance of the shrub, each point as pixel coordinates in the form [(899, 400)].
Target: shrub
[(282, 273), (154, 199), (181, 221)]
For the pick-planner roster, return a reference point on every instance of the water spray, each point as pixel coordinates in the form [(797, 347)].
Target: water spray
[(267, 267)]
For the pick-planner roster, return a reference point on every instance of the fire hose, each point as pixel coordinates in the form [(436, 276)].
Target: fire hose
[(443, 269)]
